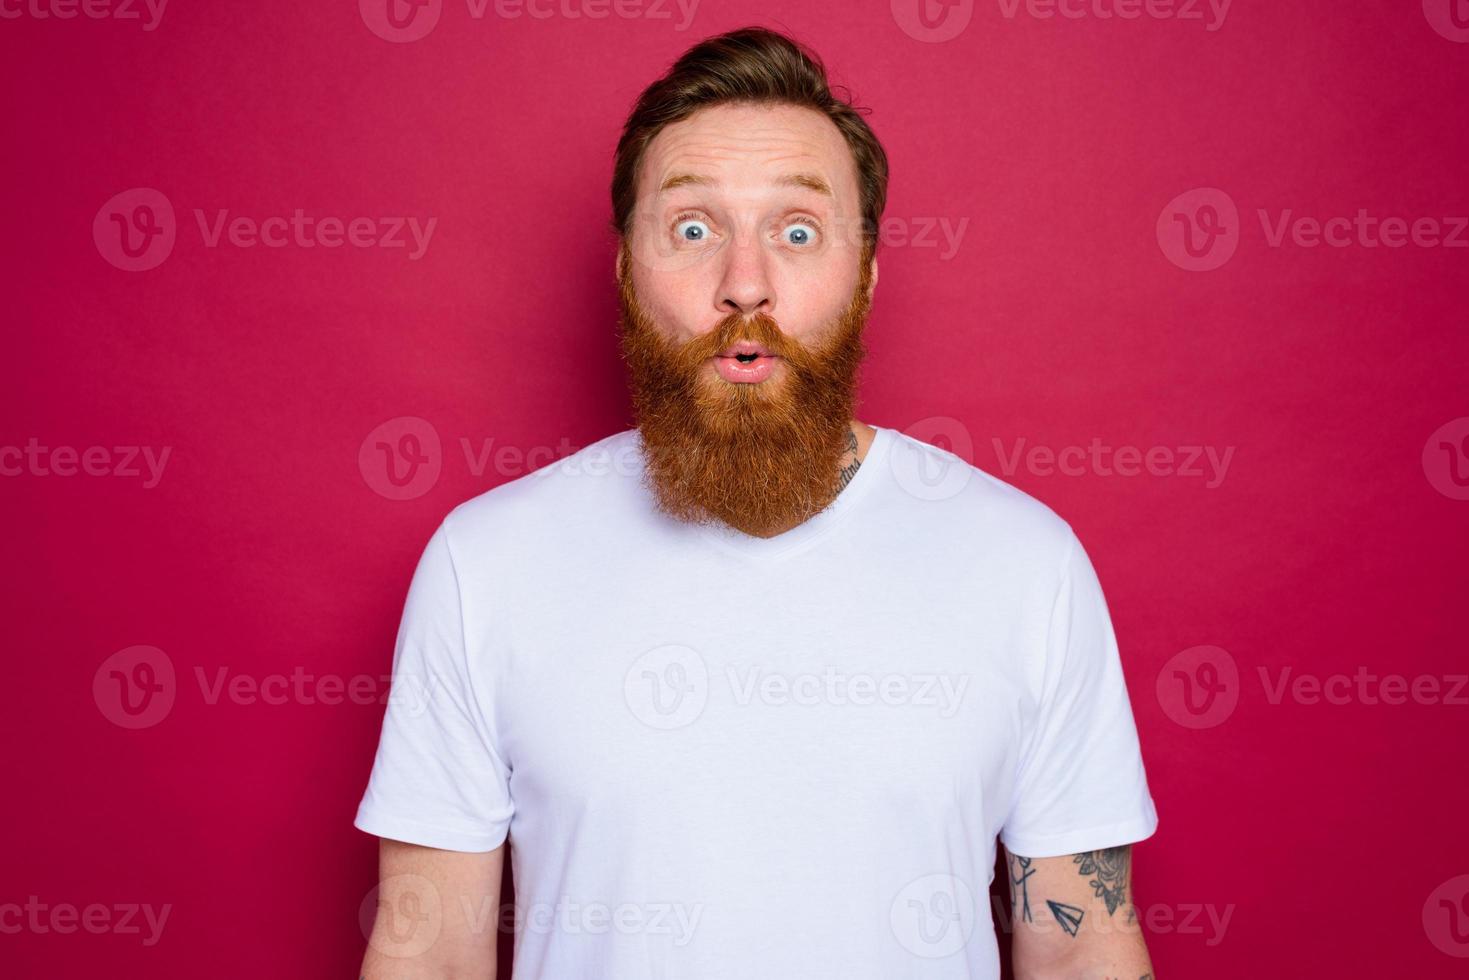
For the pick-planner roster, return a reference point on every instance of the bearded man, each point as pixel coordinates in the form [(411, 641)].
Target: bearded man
[(745, 690)]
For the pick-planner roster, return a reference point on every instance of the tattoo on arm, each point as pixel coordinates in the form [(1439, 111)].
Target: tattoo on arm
[(1020, 872), (1107, 870), (1069, 916), (850, 470)]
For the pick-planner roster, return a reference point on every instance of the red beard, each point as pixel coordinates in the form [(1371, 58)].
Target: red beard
[(763, 457)]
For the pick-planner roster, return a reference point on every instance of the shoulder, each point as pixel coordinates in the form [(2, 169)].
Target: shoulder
[(575, 490), (947, 495)]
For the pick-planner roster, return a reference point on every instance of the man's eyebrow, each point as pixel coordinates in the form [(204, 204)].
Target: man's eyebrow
[(684, 180), (809, 181)]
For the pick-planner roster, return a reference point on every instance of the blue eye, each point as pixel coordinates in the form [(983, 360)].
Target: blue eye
[(692, 230), (799, 233)]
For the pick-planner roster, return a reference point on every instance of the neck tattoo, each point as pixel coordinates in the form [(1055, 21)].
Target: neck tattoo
[(850, 469)]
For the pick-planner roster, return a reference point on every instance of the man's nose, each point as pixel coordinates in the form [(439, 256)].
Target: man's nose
[(745, 286)]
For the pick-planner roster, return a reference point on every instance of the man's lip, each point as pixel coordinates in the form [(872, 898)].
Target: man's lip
[(745, 347)]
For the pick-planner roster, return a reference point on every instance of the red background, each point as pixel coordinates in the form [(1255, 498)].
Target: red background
[(1322, 830)]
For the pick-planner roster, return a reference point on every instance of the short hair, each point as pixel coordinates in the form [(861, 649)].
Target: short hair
[(750, 65)]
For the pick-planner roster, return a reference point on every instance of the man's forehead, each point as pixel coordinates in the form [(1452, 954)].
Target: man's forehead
[(779, 146)]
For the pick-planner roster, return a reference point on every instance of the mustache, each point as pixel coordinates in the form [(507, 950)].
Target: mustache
[(759, 328)]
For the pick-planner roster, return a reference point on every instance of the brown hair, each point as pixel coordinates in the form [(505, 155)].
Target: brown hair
[(752, 64)]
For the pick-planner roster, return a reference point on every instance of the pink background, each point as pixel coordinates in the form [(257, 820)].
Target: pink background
[(1331, 835)]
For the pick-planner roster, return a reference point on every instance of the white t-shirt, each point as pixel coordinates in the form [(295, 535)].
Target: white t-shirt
[(721, 756)]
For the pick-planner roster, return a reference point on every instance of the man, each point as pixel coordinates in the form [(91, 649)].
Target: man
[(750, 692)]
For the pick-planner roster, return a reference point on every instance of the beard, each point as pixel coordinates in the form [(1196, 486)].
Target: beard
[(760, 457)]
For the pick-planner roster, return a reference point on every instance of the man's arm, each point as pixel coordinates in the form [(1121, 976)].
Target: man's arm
[(1073, 917), (437, 914)]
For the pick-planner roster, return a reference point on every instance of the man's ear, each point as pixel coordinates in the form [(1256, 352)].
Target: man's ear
[(617, 261), (872, 286)]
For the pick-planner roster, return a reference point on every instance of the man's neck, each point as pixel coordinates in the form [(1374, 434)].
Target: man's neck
[(859, 440)]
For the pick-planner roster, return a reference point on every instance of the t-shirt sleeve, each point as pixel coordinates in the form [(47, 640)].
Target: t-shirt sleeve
[(438, 778), (1081, 784)]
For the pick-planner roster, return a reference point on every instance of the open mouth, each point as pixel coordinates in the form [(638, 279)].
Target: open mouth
[(745, 362), (746, 351)]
